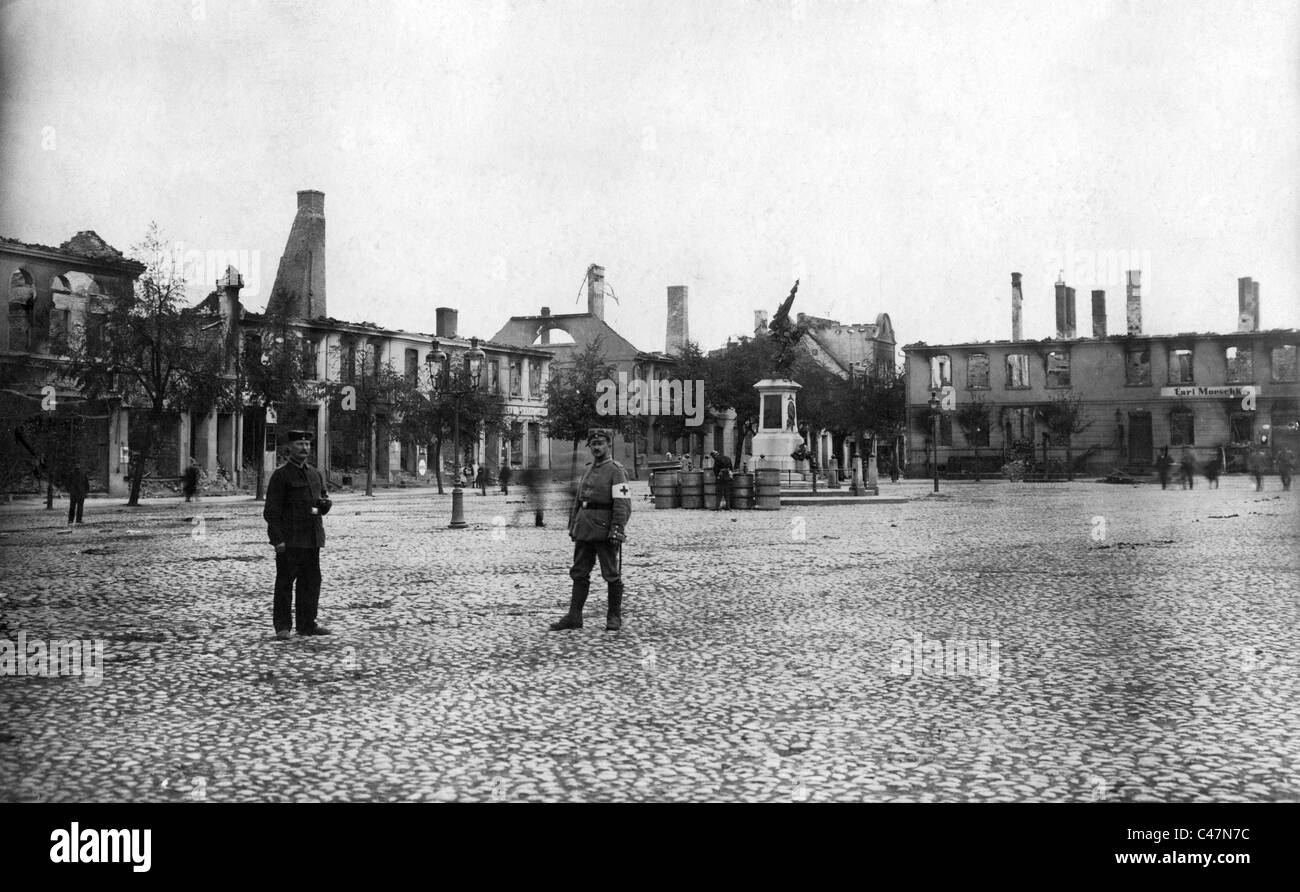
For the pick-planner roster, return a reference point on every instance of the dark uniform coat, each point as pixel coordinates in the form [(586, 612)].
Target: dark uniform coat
[(290, 495), (603, 502)]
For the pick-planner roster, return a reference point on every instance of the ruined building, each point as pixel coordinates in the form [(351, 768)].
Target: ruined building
[(1212, 393)]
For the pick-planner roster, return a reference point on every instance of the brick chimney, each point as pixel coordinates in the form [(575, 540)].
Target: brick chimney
[(1247, 305), (596, 291), (678, 323), (446, 324), (545, 334), (229, 285), (1133, 311), (1017, 299), (1099, 314), (1064, 310), (300, 278)]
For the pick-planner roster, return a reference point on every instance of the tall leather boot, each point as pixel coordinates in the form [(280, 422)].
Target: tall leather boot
[(614, 616), (573, 619)]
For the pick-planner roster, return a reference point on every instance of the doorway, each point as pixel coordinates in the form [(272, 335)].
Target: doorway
[(1139, 438)]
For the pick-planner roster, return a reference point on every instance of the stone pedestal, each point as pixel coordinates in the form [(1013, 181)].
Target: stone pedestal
[(778, 424)]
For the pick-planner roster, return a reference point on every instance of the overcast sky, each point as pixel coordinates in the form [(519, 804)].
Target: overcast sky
[(900, 157)]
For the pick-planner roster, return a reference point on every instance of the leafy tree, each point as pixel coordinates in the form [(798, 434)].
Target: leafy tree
[(973, 417), (152, 350), (691, 366), (731, 375), (273, 371), (429, 418), (1064, 417), (869, 406), (365, 391), (571, 397)]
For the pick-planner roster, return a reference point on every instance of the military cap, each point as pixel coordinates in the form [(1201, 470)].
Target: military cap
[(602, 433), (300, 435)]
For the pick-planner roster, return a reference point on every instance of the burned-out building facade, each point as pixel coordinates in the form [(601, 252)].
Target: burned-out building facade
[(55, 298), (1140, 394), (567, 334)]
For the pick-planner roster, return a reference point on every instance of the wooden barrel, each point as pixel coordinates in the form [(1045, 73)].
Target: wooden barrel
[(742, 491), (710, 490), (768, 489), (692, 483), (664, 487)]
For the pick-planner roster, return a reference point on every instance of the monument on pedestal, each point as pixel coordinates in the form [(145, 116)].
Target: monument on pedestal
[(778, 418), (778, 429)]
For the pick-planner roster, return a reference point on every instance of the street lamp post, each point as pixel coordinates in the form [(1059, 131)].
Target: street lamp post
[(442, 385), (934, 414)]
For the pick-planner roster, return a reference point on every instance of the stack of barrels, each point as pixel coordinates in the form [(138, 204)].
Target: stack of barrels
[(663, 485), (699, 489), (768, 497)]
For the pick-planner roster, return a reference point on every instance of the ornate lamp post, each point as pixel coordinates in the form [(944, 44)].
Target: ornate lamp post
[(934, 414), (442, 386)]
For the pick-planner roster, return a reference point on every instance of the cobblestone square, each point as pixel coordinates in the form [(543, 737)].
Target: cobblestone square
[(999, 642)]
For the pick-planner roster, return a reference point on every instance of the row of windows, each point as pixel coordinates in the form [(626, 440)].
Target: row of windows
[(1019, 425), (351, 354), (1239, 364)]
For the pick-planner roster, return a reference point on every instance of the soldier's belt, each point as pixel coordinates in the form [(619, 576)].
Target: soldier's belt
[(595, 504)]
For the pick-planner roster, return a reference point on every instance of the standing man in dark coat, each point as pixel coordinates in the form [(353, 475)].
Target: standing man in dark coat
[(597, 521), (296, 498), (1285, 463), (78, 484), (191, 480), (722, 472)]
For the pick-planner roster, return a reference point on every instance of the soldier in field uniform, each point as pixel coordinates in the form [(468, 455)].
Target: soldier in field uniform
[(596, 525)]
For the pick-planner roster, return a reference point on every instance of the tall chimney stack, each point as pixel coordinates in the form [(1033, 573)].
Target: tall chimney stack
[(446, 324), (1247, 305), (1064, 310), (545, 334), (596, 291), (1134, 300), (300, 279), (1099, 314), (678, 321), (1017, 299)]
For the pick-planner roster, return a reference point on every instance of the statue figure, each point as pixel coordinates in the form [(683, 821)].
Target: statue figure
[(786, 334)]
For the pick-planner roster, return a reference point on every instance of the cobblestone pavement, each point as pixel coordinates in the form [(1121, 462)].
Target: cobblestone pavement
[(1097, 643)]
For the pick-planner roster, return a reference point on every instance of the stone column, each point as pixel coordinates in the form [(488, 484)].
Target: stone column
[(323, 438), (118, 442), (210, 440), (184, 435)]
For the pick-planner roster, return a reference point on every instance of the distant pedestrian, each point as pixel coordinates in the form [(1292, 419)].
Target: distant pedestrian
[(722, 472), (1257, 463), (1213, 468), (505, 477), (190, 482), (296, 498), (77, 482), (1285, 464), (533, 482), (1164, 466), (893, 471), (1187, 469), (480, 479)]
